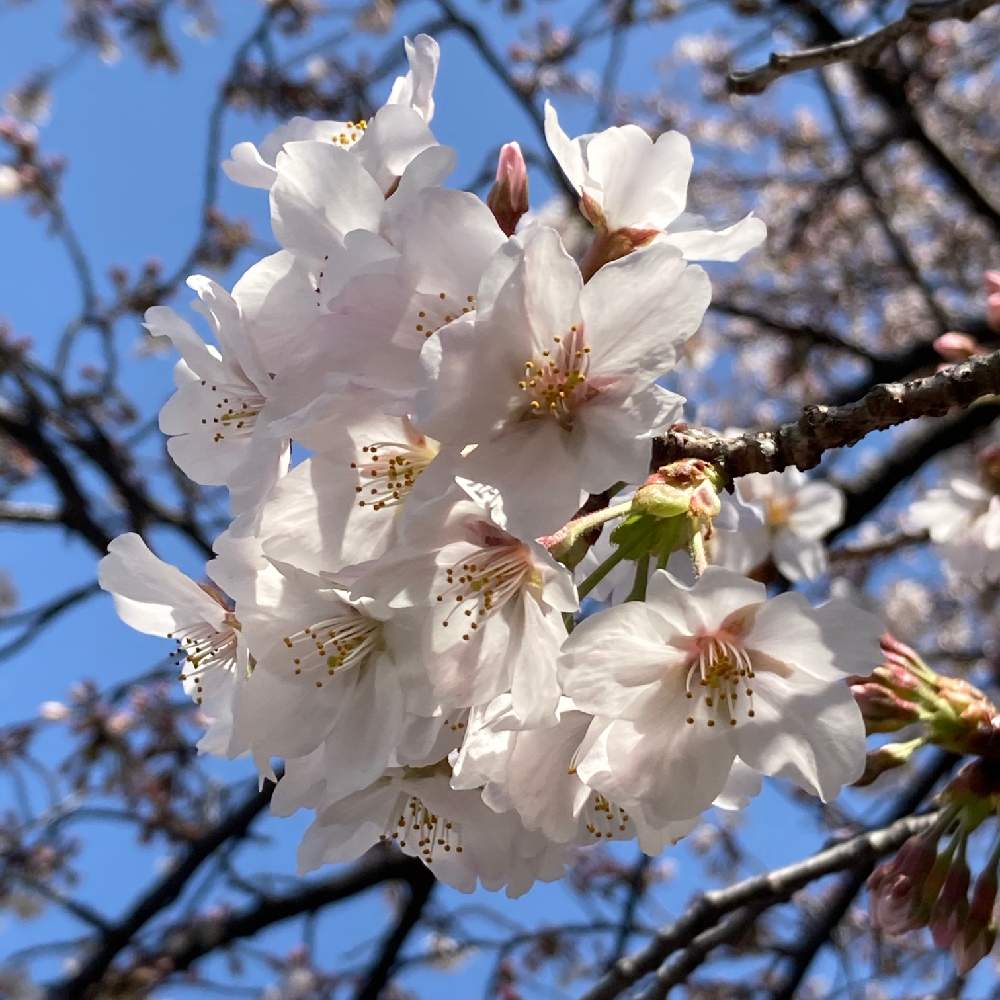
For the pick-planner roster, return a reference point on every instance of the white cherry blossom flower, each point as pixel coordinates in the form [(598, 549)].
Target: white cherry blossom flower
[(963, 520), (415, 91), (627, 181), (490, 605), (212, 418), (532, 772), (797, 513), (344, 505), (368, 338), (554, 380), (154, 597), (325, 667), (683, 684), (453, 832)]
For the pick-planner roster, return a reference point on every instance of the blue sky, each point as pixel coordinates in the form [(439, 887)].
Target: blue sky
[(135, 141)]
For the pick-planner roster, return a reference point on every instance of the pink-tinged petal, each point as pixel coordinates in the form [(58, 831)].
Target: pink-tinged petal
[(395, 136), (435, 259), (798, 558), (717, 595), (416, 89), (854, 633), (811, 733), (644, 183), (356, 751), (150, 595), (638, 310), (819, 508), (726, 244), (534, 465), (346, 829), (616, 660), (542, 294), (321, 194), (671, 769), (533, 652), (827, 643), (246, 166), (567, 152), (202, 359), (470, 381), (743, 784)]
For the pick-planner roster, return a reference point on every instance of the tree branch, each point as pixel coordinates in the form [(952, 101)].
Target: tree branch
[(803, 442), (158, 898), (770, 888), (864, 49)]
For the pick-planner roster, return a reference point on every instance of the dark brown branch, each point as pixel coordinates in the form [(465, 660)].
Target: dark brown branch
[(185, 944), (770, 888), (160, 896), (864, 49), (819, 429), (822, 927), (421, 886)]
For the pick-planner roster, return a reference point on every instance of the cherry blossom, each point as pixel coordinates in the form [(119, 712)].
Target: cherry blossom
[(256, 168), (454, 833), (626, 181), (695, 677), (212, 418), (554, 380), (797, 513)]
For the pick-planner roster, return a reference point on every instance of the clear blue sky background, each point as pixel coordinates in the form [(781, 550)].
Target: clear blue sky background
[(135, 140)]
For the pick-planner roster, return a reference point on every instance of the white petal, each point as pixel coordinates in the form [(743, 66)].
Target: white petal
[(723, 244)]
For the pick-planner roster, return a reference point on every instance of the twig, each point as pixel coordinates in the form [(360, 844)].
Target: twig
[(863, 49), (803, 442), (771, 887), (158, 898)]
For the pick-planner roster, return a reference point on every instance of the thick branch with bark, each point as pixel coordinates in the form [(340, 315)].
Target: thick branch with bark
[(803, 442), (863, 49)]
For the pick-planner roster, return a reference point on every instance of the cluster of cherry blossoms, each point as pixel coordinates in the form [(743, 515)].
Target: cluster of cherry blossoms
[(424, 409)]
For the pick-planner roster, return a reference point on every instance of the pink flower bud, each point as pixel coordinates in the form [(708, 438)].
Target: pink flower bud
[(508, 198), (971, 947), (896, 886), (883, 710), (957, 346), (949, 914)]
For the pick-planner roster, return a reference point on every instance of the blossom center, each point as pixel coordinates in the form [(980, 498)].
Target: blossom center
[(389, 470), (484, 582), (439, 310), (349, 133), (606, 820), (718, 679), (237, 411), (415, 826), (204, 648), (558, 381), (778, 511), (343, 640)]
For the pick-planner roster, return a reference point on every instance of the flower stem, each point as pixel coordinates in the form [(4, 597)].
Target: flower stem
[(638, 591), (697, 550), (600, 573)]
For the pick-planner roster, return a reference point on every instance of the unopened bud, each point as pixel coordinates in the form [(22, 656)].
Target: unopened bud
[(684, 487), (883, 710), (949, 913), (885, 758), (896, 886), (508, 198), (954, 346)]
